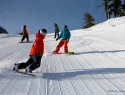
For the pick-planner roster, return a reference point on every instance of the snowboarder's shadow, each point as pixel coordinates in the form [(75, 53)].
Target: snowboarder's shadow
[(111, 51), (70, 74)]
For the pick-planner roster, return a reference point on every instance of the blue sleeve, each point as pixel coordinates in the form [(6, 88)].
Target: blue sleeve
[(69, 35)]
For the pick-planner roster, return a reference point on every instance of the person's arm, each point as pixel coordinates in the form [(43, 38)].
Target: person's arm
[(59, 36), (69, 35)]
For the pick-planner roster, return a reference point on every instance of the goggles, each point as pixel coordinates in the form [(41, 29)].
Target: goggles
[(65, 28), (41, 32)]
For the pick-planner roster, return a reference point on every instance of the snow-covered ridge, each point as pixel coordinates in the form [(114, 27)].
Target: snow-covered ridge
[(118, 22)]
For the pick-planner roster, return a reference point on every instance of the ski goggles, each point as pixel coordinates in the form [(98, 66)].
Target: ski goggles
[(41, 32), (65, 28)]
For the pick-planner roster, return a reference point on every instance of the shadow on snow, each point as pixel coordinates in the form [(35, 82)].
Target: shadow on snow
[(101, 71), (112, 51)]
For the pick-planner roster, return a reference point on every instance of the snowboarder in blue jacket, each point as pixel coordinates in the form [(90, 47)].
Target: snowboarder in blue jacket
[(65, 36)]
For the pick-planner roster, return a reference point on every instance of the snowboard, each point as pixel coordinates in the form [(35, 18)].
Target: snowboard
[(35, 74), (69, 53), (26, 42)]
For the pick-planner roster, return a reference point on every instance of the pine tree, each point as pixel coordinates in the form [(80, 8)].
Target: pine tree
[(115, 7), (88, 20), (105, 4), (123, 9)]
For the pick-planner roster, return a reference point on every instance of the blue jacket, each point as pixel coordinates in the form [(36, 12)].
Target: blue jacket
[(65, 35)]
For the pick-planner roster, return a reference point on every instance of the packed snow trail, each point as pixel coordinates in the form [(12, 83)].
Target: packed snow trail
[(96, 68)]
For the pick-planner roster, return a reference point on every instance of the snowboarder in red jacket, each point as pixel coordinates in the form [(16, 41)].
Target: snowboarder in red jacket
[(35, 55)]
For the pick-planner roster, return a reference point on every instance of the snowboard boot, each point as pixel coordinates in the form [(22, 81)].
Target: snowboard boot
[(15, 68), (66, 52), (55, 51), (28, 70)]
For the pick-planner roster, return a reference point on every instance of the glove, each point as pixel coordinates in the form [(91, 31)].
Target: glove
[(56, 39), (68, 40), (38, 53)]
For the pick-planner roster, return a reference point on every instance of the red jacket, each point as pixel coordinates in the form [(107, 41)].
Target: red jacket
[(38, 46)]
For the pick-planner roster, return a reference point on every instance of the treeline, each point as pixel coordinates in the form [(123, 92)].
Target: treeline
[(115, 8)]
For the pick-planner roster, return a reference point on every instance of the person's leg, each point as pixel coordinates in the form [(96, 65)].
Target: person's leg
[(22, 38), (36, 62), (23, 65), (58, 33), (55, 34), (27, 38), (65, 46), (59, 46)]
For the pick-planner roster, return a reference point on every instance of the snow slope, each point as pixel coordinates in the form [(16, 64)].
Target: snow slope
[(97, 68)]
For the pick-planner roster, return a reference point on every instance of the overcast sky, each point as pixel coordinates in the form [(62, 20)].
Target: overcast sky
[(38, 14)]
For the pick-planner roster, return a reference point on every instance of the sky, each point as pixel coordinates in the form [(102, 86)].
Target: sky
[(38, 14), (96, 68)]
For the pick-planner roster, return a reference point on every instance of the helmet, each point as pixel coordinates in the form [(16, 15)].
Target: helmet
[(55, 24), (65, 26), (43, 31), (24, 25)]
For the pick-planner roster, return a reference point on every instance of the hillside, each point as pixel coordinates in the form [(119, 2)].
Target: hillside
[(96, 68)]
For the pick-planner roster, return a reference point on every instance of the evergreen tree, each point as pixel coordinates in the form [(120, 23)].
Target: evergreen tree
[(123, 9), (115, 7), (88, 20), (105, 4)]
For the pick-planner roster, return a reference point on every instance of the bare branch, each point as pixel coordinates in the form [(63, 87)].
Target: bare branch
[(100, 5)]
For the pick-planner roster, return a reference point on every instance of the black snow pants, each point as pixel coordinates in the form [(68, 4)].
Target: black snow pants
[(56, 33), (33, 61), (25, 36)]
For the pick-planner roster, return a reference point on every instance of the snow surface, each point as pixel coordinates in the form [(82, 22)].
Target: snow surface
[(96, 68)]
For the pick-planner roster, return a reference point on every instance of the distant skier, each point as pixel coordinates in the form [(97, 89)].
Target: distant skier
[(25, 34), (65, 36), (56, 30), (35, 54)]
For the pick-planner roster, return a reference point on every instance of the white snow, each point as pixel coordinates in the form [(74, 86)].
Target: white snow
[(96, 68)]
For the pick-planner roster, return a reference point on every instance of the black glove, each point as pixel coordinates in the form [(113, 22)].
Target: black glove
[(38, 53), (68, 40), (56, 39)]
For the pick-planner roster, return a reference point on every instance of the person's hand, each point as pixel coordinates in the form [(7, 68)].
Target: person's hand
[(67, 40), (56, 39), (38, 53)]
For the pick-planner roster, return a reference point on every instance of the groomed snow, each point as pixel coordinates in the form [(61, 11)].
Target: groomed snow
[(96, 68)]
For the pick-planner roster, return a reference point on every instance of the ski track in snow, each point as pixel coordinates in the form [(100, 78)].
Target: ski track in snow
[(96, 68)]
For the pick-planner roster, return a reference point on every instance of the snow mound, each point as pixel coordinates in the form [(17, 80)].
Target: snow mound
[(112, 23)]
